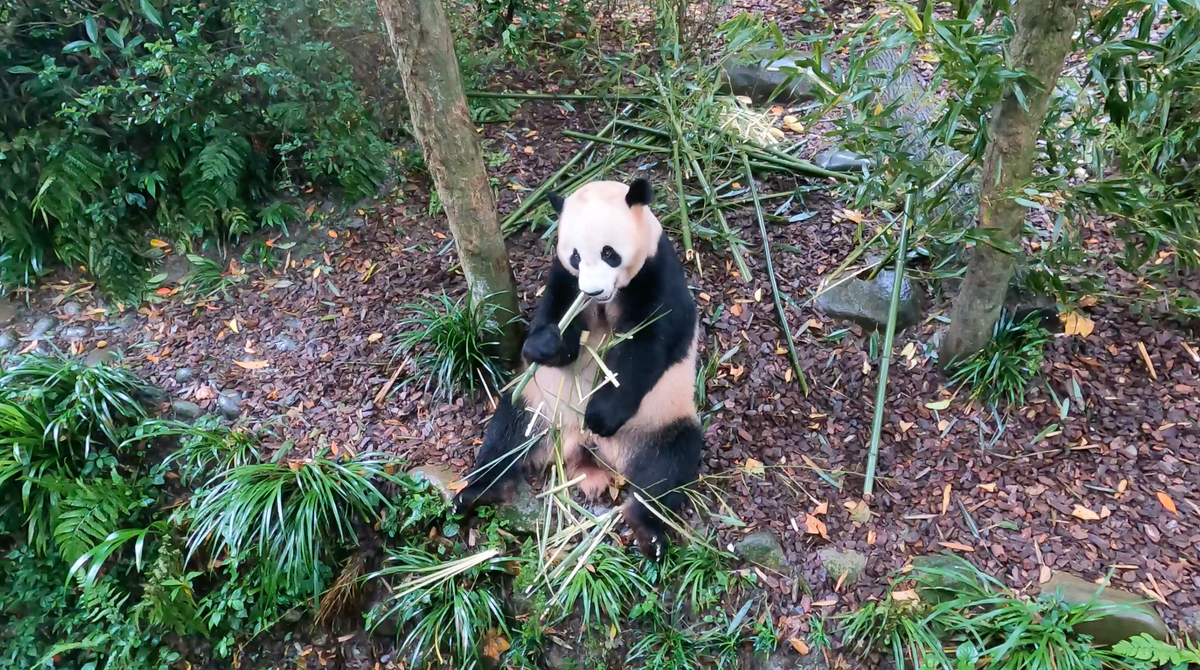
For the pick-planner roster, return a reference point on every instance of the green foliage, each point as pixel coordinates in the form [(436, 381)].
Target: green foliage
[(1003, 369), (703, 575), (446, 607), (607, 586), (989, 626), (176, 119), (711, 642), (515, 24), (1157, 653), (452, 344), (288, 516)]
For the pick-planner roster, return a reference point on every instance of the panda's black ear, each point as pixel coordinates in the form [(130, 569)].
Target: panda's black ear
[(640, 192), (556, 201)]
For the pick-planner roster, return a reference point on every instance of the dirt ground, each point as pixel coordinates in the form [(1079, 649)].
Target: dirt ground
[(1010, 503)]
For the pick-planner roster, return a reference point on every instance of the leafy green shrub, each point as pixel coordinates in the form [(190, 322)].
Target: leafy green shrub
[(289, 515), (1157, 653), (1002, 370), (451, 343), (174, 118)]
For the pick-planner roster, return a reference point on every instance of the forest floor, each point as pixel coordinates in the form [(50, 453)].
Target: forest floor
[(1009, 502)]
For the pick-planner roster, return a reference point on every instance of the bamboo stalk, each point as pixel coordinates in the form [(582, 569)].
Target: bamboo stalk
[(796, 165), (528, 202), (885, 358), (685, 225), (518, 95), (618, 143), (645, 129), (581, 301), (783, 324)]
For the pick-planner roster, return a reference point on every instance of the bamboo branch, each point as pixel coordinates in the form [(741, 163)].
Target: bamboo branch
[(581, 302), (885, 358), (618, 143), (780, 158), (783, 324), (518, 95), (685, 226)]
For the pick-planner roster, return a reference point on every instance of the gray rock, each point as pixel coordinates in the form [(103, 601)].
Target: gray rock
[(523, 511), (866, 301), (946, 584), (185, 410), (293, 615), (42, 328), (1127, 614), (842, 561), (230, 404), (127, 321), (439, 476), (8, 340), (840, 160), (355, 222), (762, 548), (76, 332), (285, 343), (759, 81), (105, 356), (71, 308), (184, 375)]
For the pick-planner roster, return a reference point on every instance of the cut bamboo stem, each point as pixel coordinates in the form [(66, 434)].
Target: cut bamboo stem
[(518, 95), (885, 357), (783, 323), (684, 225), (581, 302), (617, 143), (799, 165)]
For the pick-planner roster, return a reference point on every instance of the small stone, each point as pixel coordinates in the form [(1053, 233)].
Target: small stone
[(42, 328), (439, 476), (293, 615), (230, 404), (76, 332), (71, 308), (840, 160), (942, 576), (355, 222), (105, 356), (523, 512), (1126, 614), (840, 562), (868, 301), (184, 375), (762, 548), (185, 410), (285, 343), (8, 340)]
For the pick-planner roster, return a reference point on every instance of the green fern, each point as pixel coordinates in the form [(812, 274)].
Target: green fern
[(1156, 652), (88, 513)]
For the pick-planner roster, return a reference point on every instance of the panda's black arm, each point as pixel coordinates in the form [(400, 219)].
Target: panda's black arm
[(545, 345)]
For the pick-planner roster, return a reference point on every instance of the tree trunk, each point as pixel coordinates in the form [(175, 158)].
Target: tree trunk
[(420, 35), (1042, 40)]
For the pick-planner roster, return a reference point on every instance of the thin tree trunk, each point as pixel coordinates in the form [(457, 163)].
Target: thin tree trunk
[(420, 35), (1042, 40)]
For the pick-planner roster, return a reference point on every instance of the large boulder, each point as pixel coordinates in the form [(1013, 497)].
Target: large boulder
[(760, 81), (867, 301), (1125, 614)]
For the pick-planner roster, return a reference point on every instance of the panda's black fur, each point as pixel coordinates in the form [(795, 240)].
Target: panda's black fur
[(655, 462)]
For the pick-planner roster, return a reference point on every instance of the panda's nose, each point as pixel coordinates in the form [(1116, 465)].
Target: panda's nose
[(593, 294)]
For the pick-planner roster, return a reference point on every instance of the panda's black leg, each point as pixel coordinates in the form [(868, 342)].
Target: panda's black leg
[(663, 464), (499, 462)]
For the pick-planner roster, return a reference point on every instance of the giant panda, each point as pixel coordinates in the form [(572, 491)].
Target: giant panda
[(612, 248)]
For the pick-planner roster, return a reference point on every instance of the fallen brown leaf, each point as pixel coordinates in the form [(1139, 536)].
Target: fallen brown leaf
[(957, 546), (946, 499), (1167, 503), (1081, 512), (799, 645), (753, 466), (251, 365), (814, 526)]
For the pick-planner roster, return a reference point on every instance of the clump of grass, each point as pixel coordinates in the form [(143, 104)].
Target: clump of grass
[(288, 515), (608, 583), (1003, 369), (981, 620), (702, 573), (712, 642), (452, 344), (209, 278), (449, 605), (205, 447)]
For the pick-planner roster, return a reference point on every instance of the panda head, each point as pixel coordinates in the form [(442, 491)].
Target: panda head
[(605, 234)]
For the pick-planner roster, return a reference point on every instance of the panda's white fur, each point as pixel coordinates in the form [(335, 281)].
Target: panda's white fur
[(643, 426)]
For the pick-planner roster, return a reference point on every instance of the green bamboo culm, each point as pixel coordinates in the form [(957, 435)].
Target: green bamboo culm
[(889, 336), (783, 324)]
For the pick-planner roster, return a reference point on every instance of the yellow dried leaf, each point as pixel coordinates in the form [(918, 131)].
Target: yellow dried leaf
[(814, 526), (799, 645), (1075, 323), (852, 215), (822, 508), (905, 426), (1081, 512), (753, 466), (939, 405), (251, 365), (158, 244), (906, 595), (758, 295), (946, 499), (374, 337), (957, 546), (989, 487), (233, 325), (494, 644), (860, 512), (909, 351)]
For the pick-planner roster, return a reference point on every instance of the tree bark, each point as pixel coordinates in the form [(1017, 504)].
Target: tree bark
[(420, 35), (1039, 46)]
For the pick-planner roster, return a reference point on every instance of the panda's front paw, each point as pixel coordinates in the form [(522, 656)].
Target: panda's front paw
[(605, 415), (546, 346)]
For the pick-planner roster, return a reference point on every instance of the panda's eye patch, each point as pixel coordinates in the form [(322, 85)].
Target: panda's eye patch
[(575, 259), (610, 256)]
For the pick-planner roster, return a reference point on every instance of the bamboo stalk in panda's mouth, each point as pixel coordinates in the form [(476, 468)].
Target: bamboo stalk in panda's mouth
[(581, 303)]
